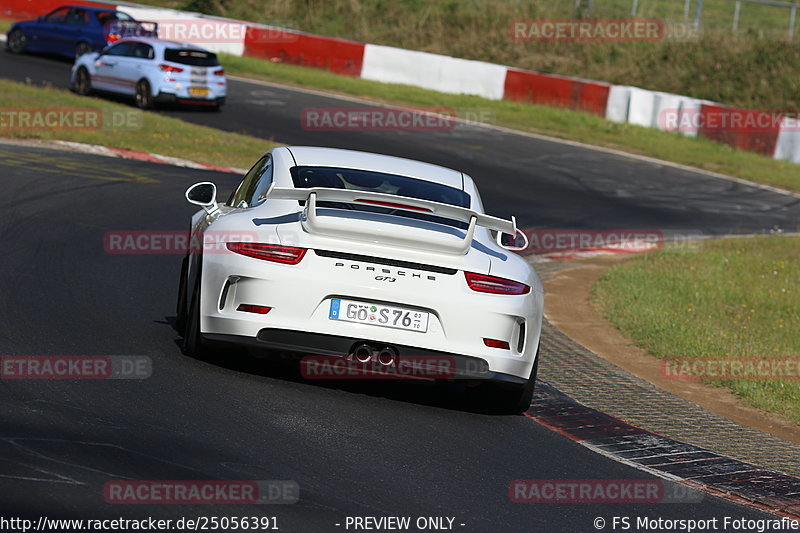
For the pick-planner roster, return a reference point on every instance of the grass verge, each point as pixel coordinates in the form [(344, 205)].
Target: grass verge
[(724, 299), (561, 123), (123, 126)]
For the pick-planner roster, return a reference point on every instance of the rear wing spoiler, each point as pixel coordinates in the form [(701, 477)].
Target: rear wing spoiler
[(461, 214)]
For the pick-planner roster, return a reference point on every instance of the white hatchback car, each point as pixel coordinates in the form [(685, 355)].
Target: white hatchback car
[(364, 258), (153, 71)]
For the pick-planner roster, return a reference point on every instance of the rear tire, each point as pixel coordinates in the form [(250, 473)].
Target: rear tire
[(193, 344), (83, 82), (82, 48), (144, 96), (17, 41), (507, 399), (180, 306)]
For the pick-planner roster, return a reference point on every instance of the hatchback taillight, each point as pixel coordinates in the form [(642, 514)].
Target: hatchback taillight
[(268, 252), (495, 285), (220, 72), (170, 68)]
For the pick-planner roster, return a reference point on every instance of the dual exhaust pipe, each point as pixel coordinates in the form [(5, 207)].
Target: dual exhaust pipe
[(364, 353)]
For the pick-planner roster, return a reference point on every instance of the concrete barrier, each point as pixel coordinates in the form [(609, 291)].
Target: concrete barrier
[(787, 146), (560, 91), (285, 46), (641, 107), (432, 71), (619, 97), (744, 129)]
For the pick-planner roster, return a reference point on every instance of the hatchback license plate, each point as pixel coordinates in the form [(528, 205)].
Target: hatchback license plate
[(195, 91), (388, 316)]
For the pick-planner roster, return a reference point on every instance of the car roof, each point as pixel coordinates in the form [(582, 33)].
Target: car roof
[(161, 42), (92, 8), (335, 157)]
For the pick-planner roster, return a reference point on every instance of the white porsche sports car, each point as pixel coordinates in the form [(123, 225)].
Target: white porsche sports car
[(363, 257)]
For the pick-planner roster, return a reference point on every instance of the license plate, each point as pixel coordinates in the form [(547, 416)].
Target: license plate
[(388, 316), (194, 91)]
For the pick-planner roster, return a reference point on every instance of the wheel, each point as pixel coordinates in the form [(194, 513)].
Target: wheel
[(144, 98), (82, 48), (180, 307), (193, 344), (83, 82), (17, 41), (508, 399)]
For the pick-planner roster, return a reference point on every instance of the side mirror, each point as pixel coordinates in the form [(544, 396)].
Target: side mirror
[(513, 243), (203, 194)]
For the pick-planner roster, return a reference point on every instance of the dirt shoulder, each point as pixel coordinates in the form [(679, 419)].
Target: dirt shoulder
[(568, 308)]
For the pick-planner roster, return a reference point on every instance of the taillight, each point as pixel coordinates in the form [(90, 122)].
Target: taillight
[(494, 343), (220, 72), (112, 38), (170, 68), (494, 285), (268, 252), (257, 309)]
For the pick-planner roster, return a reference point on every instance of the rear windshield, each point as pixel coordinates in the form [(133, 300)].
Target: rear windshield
[(186, 56), (365, 180), (108, 16)]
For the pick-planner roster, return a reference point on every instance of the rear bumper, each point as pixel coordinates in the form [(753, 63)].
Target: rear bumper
[(301, 343), (300, 299), (169, 98)]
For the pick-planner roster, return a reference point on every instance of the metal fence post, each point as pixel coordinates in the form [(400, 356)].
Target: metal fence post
[(736, 15), (634, 8), (698, 13), (687, 4), (792, 18)]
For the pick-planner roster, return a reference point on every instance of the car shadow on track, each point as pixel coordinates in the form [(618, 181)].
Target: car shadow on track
[(442, 394)]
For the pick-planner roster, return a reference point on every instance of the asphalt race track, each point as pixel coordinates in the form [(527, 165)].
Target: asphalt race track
[(354, 449)]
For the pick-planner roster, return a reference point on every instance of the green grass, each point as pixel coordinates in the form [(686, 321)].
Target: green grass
[(556, 122), (729, 298), (134, 129)]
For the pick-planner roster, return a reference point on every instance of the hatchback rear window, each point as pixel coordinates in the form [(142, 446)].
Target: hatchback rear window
[(187, 56)]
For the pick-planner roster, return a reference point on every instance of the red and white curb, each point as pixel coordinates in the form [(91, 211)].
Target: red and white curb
[(96, 149)]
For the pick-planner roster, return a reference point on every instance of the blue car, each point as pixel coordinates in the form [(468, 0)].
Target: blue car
[(72, 31)]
